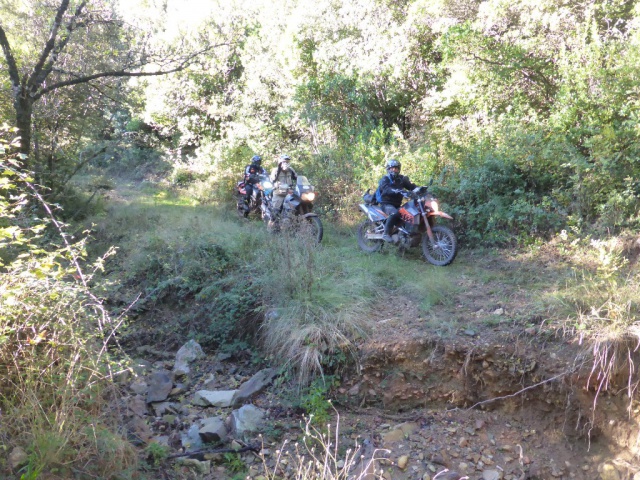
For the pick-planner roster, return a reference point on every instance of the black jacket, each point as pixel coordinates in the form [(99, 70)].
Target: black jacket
[(387, 186), (253, 170)]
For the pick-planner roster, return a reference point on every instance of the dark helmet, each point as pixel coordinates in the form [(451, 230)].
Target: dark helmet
[(256, 160), (391, 164)]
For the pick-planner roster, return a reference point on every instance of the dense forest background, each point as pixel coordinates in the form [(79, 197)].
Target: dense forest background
[(524, 113)]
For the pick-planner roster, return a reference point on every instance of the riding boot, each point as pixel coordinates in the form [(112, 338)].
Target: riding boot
[(391, 222)]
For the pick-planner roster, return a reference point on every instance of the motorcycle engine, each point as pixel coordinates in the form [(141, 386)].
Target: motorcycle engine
[(410, 228), (409, 241)]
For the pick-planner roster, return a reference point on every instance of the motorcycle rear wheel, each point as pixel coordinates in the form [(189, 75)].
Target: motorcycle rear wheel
[(370, 246), (444, 248)]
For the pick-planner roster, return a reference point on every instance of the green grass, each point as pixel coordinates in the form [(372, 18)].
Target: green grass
[(321, 298), (323, 295)]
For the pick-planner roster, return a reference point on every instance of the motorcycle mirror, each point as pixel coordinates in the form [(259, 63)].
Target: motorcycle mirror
[(431, 181)]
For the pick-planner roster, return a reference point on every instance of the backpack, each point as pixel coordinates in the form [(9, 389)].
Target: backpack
[(371, 198), (377, 196)]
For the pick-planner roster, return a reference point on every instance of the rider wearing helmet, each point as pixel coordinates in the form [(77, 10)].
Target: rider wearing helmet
[(391, 187), (283, 177), (251, 173)]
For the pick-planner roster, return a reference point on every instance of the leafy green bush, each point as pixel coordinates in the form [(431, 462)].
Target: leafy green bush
[(495, 203), (56, 372)]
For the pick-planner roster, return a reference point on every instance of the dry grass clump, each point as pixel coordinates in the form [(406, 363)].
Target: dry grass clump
[(315, 306), (319, 457), (606, 301), (309, 338)]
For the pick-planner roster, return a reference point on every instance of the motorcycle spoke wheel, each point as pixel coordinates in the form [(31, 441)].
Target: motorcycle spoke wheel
[(314, 225), (444, 248), (309, 228), (366, 244)]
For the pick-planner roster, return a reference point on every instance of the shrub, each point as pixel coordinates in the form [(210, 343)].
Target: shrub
[(55, 369)]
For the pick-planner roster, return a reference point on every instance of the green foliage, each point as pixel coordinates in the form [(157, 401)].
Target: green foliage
[(496, 202), (157, 453), (56, 369), (314, 400), (234, 463)]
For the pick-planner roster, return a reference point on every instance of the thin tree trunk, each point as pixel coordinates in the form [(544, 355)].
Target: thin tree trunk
[(24, 111)]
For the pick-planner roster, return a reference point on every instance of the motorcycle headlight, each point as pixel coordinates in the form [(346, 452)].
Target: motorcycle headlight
[(432, 204), (308, 196), (267, 185)]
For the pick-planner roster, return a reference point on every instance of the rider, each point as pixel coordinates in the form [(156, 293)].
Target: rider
[(391, 187), (251, 173), (282, 175)]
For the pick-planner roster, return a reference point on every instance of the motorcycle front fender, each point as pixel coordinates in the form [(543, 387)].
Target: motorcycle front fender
[(441, 214), (292, 200), (310, 214)]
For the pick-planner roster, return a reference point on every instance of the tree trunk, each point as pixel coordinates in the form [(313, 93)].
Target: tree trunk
[(24, 110)]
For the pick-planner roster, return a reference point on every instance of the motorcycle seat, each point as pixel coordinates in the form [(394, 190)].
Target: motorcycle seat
[(380, 211)]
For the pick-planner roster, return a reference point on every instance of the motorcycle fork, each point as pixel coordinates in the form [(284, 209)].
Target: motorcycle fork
[(426, 222)]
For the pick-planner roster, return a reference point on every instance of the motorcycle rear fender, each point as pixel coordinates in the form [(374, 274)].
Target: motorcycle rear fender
[(374, 213)]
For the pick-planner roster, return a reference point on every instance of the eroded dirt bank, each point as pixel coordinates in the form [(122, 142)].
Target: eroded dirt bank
[(498, 398), (480, 383)]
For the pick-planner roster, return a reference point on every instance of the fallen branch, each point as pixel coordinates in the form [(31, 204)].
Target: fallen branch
[(248, 448)]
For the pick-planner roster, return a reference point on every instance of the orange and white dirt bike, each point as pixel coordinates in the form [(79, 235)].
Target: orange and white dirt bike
[(416, 227)]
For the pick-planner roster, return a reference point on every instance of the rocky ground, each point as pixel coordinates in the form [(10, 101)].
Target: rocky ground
[(203, 407), (479, 387)]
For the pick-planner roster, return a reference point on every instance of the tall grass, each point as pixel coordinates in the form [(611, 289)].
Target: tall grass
[(316, 304), (56, 370), (603, 301)]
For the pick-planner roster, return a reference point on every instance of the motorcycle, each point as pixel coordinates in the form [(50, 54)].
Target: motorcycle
[(417, 226), (296, 209), (258, 202)]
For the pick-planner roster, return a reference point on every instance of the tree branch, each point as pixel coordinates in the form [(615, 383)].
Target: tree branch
[(123, 73), (51, 42), (71, 26), (11, 61)]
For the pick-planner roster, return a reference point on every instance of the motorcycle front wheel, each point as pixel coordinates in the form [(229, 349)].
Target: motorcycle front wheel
[(364, 243), (315, 226), (242, 211), (444, 248)]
